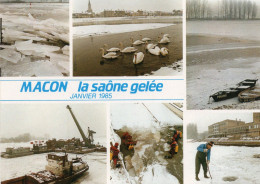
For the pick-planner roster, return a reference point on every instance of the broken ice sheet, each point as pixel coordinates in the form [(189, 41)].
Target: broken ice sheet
[(27, 47), (64, 67), (61, 61), (10, 36), (38, 69), (10, 55), (7, 46)]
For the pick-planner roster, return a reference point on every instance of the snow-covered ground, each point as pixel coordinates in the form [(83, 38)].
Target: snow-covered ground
[(105, 19), (228, 75), (144, 122), (92, 30), (226, 161), (36, 39), (136, 116), (228, 57), (20, 166), (174, 69)]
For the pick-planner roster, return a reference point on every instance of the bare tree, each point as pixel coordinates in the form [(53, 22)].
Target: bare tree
[(192, 131), (249, 9), (254, 10), (227, 9), (239, 9)]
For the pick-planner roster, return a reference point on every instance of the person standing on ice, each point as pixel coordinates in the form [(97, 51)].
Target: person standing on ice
[(203, 158)]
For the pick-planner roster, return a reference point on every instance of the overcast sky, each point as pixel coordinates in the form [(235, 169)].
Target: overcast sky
[(205, 118), (150, 5), (53, 119)]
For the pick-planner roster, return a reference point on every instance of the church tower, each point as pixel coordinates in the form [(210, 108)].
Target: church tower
[(89, 7)]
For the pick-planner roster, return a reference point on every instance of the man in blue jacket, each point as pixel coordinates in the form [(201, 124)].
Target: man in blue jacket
[(203, 158)]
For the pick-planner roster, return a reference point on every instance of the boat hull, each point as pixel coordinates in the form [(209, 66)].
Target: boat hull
[(27, 179)]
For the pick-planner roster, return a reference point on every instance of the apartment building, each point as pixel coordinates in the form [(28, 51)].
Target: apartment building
[(236, 128)]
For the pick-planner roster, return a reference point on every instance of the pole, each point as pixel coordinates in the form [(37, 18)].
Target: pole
[(208, 166), (1, 34), (209, 171)]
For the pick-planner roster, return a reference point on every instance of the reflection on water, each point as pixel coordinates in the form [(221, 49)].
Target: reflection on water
[(88, 60)]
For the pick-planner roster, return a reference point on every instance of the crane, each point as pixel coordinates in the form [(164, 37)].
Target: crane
[(88, 142)]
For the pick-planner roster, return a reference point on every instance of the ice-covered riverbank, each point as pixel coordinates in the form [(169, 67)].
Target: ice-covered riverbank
[(219, 57), (94, 30), (36, 40), (151, 126)]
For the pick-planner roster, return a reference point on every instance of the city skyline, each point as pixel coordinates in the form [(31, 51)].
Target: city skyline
[(133, 5)]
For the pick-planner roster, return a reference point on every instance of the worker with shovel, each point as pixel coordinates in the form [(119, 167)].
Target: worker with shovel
[(203, 158)]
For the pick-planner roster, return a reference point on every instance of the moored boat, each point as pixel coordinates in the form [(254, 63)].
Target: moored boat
[(16, 152), (249, 95), (234, 91), (59, 170)]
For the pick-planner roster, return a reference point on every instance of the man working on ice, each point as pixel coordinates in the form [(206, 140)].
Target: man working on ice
[(203, 153)]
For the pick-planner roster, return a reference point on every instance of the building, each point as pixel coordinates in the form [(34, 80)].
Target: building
[(89, 8), (236, 129), (220, 129)]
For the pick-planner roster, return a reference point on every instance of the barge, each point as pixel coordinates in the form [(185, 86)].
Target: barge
[(59, 170), (16, 152)]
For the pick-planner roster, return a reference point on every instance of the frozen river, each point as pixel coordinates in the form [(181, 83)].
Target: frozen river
[(89, 35), (240, 29), (218, 52), (93, 30), (36, 39), (20, 166), (226, 161)]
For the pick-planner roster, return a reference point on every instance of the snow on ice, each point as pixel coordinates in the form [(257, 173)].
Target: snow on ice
[(34, 31), (107, 19), (83, 31), (141, 117), (228, 71), (218, 66), (174, 69), (226, 161), (145, 125), (158, 174), (240, 29), (19, 166)]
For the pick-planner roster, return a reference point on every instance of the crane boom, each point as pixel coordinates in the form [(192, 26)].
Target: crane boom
[(85, 139)]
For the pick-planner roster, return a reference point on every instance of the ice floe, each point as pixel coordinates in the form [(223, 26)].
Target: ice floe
[(10, 55), (35, 38)]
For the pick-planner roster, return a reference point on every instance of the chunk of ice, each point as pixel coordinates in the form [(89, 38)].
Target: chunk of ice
[(29, 48), (10, 55), (10, 36), (7, 46), (27, 69), (66, 50), (30, 16)]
